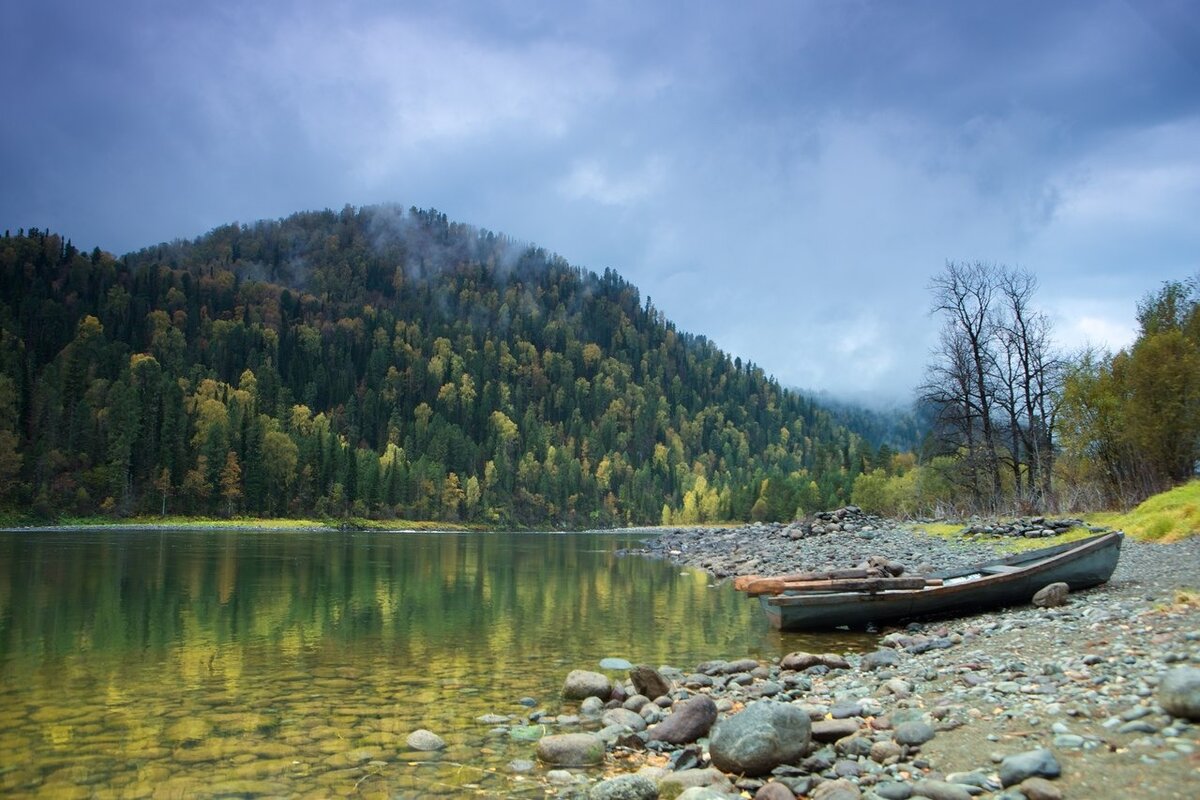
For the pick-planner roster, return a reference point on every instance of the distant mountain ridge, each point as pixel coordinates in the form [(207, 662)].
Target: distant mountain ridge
[(390, 363)]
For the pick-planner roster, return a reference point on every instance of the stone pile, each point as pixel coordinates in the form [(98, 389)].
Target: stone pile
[(1027, 527)]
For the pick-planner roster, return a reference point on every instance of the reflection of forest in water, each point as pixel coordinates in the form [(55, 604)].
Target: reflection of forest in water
[(435, 599), (194, 658)]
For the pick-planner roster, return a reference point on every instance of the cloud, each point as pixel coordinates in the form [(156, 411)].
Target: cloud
[(589, 180), (782, 177)]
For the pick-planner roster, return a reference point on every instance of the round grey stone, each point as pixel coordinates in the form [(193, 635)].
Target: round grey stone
[(624, 717), (1179, 692), (614, 663), (913, 733), (762, 736), (571, 749), (624, 787), (422, 739), (1054, 594), (688, 721), (582, 683), (1032, 763)]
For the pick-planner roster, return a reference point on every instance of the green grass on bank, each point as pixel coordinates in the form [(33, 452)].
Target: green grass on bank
[(13, 520), (1166, 517), (1008, 544)]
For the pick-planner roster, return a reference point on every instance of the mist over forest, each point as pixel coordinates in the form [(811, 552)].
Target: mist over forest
[(389, 363)]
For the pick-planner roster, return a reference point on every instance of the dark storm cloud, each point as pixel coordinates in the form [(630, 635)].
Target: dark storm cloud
[(783, 177)]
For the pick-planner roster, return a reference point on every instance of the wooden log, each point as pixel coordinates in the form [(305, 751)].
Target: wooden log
[(749, 583), (865, 585)]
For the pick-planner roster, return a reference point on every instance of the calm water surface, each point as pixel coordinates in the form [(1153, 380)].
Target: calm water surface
[(202, 664)]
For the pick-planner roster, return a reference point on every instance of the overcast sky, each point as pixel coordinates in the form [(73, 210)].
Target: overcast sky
[(782, 177)]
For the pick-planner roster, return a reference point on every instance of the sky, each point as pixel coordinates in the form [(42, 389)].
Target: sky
[(784, 178)]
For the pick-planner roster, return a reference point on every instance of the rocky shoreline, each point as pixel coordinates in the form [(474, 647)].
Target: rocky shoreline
[(1086, 700)]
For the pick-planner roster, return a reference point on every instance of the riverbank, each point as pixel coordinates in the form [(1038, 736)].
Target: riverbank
[(1035, 703), (235, 524)]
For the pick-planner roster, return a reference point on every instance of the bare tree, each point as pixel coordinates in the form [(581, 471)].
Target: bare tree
[(965, 294), (995, 381), (1031, 385)]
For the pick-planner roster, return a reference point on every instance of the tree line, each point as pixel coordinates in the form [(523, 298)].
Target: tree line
[(384, 363), (1018, 425)]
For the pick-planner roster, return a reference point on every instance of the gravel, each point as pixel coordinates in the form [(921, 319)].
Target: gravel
[(1079, 682)]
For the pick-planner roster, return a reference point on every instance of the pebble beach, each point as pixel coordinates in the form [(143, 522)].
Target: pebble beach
[(1096, 698)]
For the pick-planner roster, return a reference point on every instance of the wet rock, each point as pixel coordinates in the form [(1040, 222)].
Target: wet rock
[(759, 738), (649, 682), (491, 719), (624, 787), (206, 751), (1051, 596), (520, 765), (192, 729), (690, 720), (582, 683), (799, 661), (1179, 692), (1039, 763), (424, 740), (571, 750), (614, 663), (562, 777)]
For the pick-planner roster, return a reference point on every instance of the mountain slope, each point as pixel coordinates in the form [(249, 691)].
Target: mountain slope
[(383, 362)]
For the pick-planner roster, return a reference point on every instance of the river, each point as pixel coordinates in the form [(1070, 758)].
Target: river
[(159, 663)]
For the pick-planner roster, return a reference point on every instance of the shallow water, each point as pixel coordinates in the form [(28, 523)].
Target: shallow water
[(203, 664)]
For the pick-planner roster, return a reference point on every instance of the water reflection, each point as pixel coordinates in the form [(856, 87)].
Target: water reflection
[(283, 652)]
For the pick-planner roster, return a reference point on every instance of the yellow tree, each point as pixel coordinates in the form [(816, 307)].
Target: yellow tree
[(231, 482)]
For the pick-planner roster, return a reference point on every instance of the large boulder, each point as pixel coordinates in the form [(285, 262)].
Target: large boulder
[(571, 750), (649, 681), (688, 721), (582, 683), (759, 738), (1179, 693)]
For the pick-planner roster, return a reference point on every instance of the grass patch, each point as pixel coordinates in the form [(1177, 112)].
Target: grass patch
[(15, 519), (943, 530), (181, 522), (1166, 517), (1019, 544), (952, 531)]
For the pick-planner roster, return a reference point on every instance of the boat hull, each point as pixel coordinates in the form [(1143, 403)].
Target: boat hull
[(1011, 581)]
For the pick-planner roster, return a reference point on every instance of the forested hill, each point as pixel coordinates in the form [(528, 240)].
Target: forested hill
[(378, 362)]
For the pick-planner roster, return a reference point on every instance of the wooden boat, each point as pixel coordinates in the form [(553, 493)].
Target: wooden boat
[(832, 602)]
